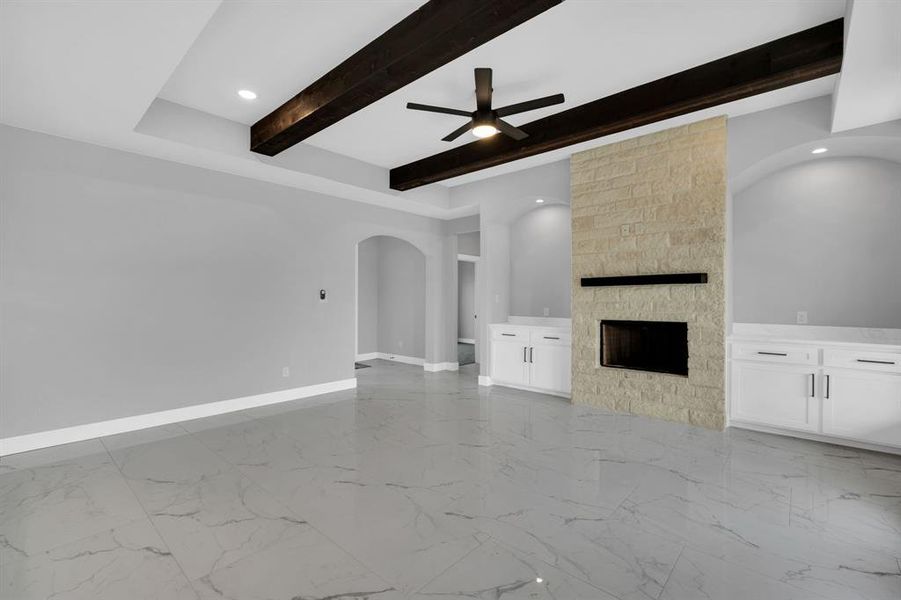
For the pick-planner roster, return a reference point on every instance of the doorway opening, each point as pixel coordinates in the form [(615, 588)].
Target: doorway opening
[(391, 292), (467, 309)]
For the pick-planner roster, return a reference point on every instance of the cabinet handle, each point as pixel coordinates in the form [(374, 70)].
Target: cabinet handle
[(773, 353), (509, 334), (551, 337), (876, 362), (813, 385), (531, 351), (827, 387), (523, 354)]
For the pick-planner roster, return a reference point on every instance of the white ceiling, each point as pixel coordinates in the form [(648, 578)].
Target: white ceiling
[(94, 71), (585, 49)]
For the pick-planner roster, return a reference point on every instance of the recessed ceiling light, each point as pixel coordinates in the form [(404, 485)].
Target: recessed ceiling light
[(819, 150), (247, 94), (539, 201), (483, 131)]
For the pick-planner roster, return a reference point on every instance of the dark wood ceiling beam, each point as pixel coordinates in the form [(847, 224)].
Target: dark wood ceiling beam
[(435, 34), (800, 57)]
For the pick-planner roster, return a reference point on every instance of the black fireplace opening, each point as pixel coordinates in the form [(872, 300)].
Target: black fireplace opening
[(658, 346)]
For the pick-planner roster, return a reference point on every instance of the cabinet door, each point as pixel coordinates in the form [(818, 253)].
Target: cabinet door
[(549, 368), (776, 395), (507, 362), (862, 405)]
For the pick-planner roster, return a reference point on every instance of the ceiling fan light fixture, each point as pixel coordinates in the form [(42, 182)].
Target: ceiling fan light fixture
[(484, 131)]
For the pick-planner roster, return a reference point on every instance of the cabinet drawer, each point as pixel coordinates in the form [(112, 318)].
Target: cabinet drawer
[(551, 338), (510, 334), (886, 362), (776, 353)]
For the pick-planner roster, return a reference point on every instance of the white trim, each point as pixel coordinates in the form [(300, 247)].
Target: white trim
[(527, 388), (357, 298), (442, 366), (466, 340), (809, 435), (468, 258), (89, 431), (484, 380), (409, 360)]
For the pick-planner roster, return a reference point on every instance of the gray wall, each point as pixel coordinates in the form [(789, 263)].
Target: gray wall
[(130, 285), (540, 262), (468, 243), (502, 200), (466, 278), (401, 298), (821, 237), (368, 296)]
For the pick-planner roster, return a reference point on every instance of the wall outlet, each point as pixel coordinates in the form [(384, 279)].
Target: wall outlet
[(547, 311), (286, 371), (802, 317), (624, 229)]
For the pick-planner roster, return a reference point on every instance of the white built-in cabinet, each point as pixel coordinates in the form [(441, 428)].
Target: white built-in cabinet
[(844, 392), (529, 357)]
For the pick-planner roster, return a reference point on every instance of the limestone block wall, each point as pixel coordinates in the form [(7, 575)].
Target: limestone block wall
[(653, 204)]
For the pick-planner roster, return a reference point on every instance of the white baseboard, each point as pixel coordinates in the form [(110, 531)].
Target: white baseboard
[(407, 360), (442, 366), (528, 388), (89, 431), (806, 435), (466, 340), (484, 380)]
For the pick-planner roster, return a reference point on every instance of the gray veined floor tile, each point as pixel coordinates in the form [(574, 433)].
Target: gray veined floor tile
[(127, 562), (697, 575), (305, 566), (215, 422), (825, 567), (491, 572), (221, 520), (158, 471), (52, 505), (388, 528), (131, 439), (612, 555), (54, 457), (426, 484)]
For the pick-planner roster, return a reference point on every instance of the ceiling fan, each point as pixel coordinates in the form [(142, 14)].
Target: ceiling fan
[(485, 121)]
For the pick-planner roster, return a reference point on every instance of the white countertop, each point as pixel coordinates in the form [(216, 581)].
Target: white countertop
[(558, 322), (887, 340)]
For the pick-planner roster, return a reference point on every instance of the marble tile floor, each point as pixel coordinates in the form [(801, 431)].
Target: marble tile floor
[(423, 485)]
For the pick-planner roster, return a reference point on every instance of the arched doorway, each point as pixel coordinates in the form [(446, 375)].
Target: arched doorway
[(391, 301)]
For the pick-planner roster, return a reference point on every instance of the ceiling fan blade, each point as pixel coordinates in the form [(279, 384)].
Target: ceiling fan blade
[(438, 109), (483, 89), (515, 132), (457, 133), (530, 105)]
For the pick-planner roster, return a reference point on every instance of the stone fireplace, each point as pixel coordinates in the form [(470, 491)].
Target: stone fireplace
[(648, 206)]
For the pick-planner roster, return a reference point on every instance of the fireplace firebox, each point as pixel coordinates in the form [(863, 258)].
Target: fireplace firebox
[(658, 346)]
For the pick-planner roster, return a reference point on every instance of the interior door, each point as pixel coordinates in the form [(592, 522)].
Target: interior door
[(863, 406), (778, 395), (508, 362), (549, 367)]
